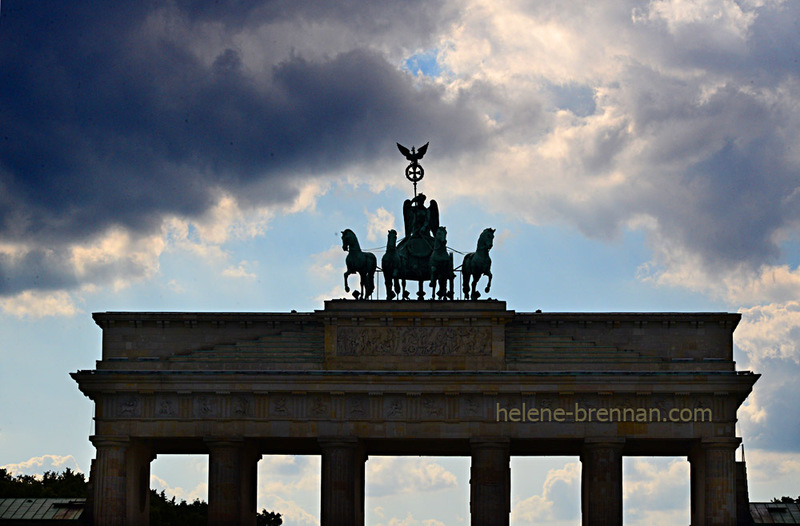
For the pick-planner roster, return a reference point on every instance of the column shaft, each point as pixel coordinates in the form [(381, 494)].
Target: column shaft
[(601, 482), (697, 466), (110, 482), (225, 483), (342, 501), (137, 471), (719, 484), (490, 483)]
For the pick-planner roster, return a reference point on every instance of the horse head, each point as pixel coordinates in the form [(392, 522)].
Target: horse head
[(347, 239), (486, 239), (441, 237), (392, 239)]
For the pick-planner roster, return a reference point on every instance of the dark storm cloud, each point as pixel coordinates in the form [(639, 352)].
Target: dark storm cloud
[(103, 124), (734, 192)]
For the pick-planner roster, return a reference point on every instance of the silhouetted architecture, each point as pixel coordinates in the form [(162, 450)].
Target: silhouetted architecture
[(465, 378)]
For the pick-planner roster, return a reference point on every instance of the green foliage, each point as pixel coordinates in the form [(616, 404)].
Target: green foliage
[(72, 484), (268, 518), (168, 512), (69, 484)]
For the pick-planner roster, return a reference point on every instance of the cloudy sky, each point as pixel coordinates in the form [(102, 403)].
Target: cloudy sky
[(633, 155)]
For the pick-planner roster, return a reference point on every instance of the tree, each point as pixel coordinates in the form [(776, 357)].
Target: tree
[(70, 484), (73, 485), (268, 518)]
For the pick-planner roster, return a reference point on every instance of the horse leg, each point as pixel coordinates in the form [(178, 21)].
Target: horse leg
[(475, 293), (489, 285), (346, 286), (370, 283), (452, 276), (387, 280)]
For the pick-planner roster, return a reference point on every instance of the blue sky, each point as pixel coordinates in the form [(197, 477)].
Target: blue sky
[(632, 155)]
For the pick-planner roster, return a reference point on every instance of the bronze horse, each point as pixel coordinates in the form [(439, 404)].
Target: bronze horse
[(390, 265), (477, 264), (441, 266), (363, 263)]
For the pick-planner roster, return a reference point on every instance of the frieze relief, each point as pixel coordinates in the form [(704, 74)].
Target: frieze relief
[(166, 407), (206, 407), (409, 407), (414, 341), (129, 406)]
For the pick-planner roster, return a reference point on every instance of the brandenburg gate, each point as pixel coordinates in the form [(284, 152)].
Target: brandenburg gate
[(415, 377), (360, 378)]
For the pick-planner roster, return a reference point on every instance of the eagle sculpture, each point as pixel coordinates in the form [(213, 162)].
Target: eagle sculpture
[(411, 155)]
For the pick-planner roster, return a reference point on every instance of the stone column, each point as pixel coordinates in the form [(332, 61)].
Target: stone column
[(715, 482), (342, 482), (137, 469), (697, 490), (231, 483), (249, 509), (110, 483), (490, 482), (601, 482)]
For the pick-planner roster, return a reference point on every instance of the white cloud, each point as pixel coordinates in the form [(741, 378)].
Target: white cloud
[(240, 271), (199, 492), (656, 484), (38, 465), (39, 304), (396, 475), (409, 520), (288, 474), (770, 331), (724, 21), (774, 467), (674, 266), (306, 200), (555, 503), (379, 224)]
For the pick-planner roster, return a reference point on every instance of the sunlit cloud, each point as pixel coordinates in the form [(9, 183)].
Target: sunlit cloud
[(38, 465), (39, 304)]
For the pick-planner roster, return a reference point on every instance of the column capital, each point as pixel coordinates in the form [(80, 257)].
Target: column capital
[(338, 442), (481, 442), (720, 442), (615, 443), (214, 442), (110, 440)]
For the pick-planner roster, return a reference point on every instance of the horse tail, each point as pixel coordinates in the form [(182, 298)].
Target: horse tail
[(372, 266), (465, 272)]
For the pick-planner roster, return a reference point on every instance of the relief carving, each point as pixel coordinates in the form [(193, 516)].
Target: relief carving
[(396, 408), (166, 407), (414, 341), (356, 408), (205, 406), (279, 406), (432, 408), (241, 406), (319, 408), (129, 406)]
